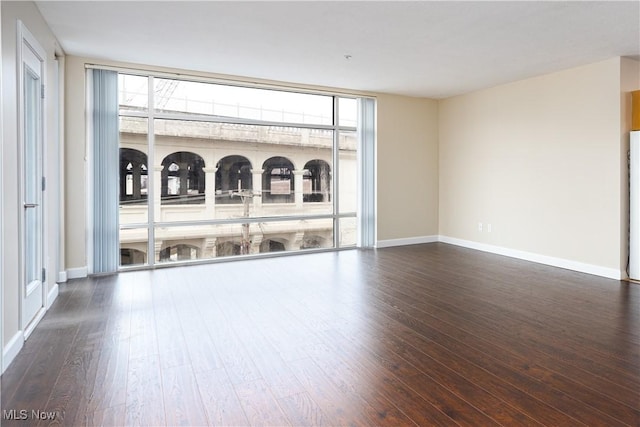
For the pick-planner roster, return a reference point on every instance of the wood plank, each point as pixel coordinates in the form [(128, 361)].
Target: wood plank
[(219, 398), (339, 408), (182, 401), (420, 335), (523, 365), (108, 417), (260, 405), (110, 386), (301, 410), (144, 404)]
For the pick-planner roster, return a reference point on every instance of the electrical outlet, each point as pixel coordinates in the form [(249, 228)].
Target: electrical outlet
[(479, 226), (488, 228)]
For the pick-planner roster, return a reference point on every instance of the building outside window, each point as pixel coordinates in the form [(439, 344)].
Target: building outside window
[(210, 170)]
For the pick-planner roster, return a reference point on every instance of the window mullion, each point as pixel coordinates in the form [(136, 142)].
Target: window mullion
[(336, 177), (151, 168), (218, 212)]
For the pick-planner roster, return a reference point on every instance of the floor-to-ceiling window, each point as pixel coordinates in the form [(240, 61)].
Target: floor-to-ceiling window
[(212, 170)]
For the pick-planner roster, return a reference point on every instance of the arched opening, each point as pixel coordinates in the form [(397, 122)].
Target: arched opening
[(271, 245), (179, 252), (233, 174), (130, 256), (278, 184), (182, 178), (133, 176), (228, 248), (313, 242), (316, 181)]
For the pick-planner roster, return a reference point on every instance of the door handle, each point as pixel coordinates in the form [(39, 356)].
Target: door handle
[(31, 205)]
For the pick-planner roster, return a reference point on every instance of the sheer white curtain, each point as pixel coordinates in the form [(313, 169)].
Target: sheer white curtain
[(367, 173), (103, 170)]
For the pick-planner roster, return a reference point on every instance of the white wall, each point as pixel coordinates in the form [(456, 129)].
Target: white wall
[(75, 157), (541, 160), (30, 16), (407, 168)]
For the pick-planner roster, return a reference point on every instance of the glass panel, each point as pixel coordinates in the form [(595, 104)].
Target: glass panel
[(134, 247), (242, 102), (31, 242), (223, 171), (204, 171), (347, 144), (348, 232), (134, 171), (185, 243), (31, 174), (348, 112), (133, 93)]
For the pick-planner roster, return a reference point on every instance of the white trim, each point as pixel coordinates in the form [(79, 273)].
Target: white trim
[(59, 176), (406, 241), (77, 273), (335, 176), (367, 176), (12, 349), (151, 184), (52, 295), (634, 205), (238, 81), (62, 277), (25, 39), (610, 273), (88, 120), (1, 211), (32, 325)]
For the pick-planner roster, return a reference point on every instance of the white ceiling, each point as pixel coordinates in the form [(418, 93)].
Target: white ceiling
[(427, 49)]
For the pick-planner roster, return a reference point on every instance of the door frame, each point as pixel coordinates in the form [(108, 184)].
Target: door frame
[(25, 36), (1, 209)]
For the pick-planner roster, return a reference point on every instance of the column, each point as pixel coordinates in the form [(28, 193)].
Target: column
[(257, 190), (297, 185), (158, 248), (157, 193), (137, 184), (297, 240), (209, 247), (210, 190), (256, 241)]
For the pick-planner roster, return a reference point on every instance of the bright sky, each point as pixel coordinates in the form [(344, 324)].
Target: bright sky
[(235, 101)]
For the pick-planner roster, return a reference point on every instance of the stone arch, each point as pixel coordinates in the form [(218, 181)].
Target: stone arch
[(316, 181), (233, 174), (273, 244), (313, 241), (182, 178), (278, 183), (130, 256), (133, 176), (180, 252), (228, 248)]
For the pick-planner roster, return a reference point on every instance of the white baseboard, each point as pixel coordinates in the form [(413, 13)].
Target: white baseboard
[(610, 273), (52, 295), (77, 273), (406, 241), (62, 277), (11, 350)]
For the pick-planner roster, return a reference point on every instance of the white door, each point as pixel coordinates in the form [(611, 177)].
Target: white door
[(31, 139)]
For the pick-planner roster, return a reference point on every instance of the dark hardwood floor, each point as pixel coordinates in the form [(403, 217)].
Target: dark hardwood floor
[(418, 335)]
